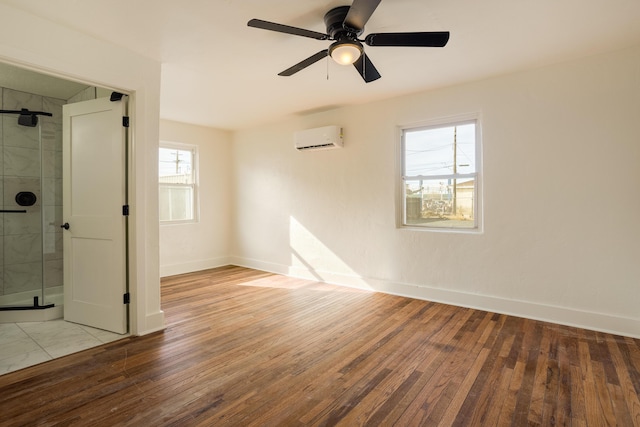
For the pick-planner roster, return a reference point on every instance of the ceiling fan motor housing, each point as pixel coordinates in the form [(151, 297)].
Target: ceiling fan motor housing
[(334, 20)]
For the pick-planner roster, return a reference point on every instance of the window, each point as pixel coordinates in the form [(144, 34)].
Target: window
[(177, 182), (440, 179)]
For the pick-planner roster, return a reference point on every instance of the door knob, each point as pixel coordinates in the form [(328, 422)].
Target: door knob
[(65, 226)]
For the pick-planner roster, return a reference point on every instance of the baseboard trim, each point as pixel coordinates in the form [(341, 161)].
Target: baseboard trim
[(260, 265), (601, 322), (192, 266)]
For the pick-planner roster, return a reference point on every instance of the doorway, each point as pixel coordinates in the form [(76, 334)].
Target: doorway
[(38, 238)]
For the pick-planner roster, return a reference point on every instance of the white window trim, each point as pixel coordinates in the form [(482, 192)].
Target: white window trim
[(196, 188), (479, 187)]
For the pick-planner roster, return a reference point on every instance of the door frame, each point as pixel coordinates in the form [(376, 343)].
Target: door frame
[(146, 314)]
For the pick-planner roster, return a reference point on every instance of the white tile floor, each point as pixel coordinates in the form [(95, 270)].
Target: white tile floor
[(30, 343)]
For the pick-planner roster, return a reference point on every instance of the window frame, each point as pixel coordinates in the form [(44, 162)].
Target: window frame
[(401, 178), (194, 185)]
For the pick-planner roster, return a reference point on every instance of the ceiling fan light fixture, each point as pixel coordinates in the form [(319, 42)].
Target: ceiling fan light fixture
[(345, 52)]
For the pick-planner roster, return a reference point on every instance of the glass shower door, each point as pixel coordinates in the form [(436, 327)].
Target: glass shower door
[(21, 217)]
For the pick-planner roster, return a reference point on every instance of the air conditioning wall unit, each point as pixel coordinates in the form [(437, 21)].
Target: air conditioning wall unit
[(324, 138)]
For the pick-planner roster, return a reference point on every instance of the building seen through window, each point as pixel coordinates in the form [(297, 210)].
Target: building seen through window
[(177, 183)]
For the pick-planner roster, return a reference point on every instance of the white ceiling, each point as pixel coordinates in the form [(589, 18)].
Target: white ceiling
[(218, 72)]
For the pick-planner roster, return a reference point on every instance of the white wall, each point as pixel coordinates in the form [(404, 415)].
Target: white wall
[(205, 243), (61, 51), (561, 201)]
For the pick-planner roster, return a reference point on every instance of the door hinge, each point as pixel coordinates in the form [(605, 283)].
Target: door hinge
[(125, 121), (126, 298), (125, 210)]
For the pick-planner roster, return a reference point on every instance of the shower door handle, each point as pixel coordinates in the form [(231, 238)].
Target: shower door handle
[(65, 226)]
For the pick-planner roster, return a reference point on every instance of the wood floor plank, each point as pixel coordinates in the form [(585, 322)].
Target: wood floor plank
[(459, 398), (443, 377), (378, 404), (628, 386), (249, 348), (539, 377), (428, 365), (419, 362), (507, 406), (564, 410), (335, 402), (529, 354), (594, 413), (449, 382)]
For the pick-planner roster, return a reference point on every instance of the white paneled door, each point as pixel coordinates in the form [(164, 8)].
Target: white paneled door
[(94, 227)]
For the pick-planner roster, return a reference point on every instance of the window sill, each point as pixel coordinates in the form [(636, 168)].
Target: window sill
[(180, 222), (475, 230)]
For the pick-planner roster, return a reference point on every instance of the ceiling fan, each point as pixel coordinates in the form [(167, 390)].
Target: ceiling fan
[(344, 25)]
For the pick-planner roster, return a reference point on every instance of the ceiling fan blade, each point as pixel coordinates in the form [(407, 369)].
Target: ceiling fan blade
[(426, 39), (366, 69), (359, 13), (272, 26), (304, 64)]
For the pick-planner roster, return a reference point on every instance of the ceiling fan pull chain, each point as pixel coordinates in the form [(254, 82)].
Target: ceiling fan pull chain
[(327, 67), (364, 66)]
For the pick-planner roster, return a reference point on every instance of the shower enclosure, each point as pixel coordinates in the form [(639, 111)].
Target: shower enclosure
[(31, 256)]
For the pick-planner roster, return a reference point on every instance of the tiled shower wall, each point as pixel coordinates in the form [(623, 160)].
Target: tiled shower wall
[(22, 249)]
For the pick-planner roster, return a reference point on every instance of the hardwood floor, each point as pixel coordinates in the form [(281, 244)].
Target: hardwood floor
[(248, 348)]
